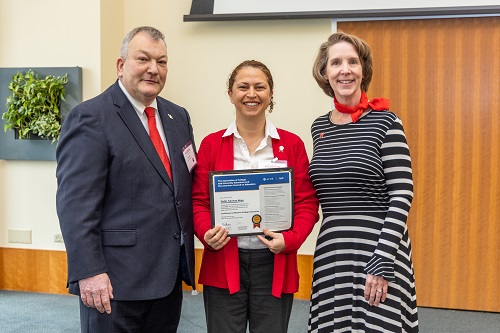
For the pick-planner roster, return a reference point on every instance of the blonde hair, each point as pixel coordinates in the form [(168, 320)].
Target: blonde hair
[(364, 54)]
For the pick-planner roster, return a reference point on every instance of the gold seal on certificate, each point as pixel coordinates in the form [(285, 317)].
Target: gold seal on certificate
[(246, 201), (256, 219)]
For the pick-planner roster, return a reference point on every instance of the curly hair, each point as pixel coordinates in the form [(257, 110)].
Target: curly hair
[(254, 64)]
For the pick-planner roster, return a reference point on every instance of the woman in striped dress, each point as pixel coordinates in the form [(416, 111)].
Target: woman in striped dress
[(363, 278)]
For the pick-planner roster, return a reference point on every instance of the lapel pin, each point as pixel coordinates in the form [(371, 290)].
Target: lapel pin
[(281, 149), (321, 134), (170, 116)]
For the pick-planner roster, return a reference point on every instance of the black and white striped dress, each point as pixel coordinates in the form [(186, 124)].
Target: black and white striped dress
[(362, 174)]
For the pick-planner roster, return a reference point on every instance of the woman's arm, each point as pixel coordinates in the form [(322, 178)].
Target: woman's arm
[(305, 201), (396, 161)]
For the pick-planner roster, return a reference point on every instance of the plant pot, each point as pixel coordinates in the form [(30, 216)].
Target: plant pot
[(31, 136)]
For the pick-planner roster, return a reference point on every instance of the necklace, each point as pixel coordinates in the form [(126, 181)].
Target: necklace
[(252, 143)]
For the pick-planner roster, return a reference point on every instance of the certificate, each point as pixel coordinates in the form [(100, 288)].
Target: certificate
[(246, 201)]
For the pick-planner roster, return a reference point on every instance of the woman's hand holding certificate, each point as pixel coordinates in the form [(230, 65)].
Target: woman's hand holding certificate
[(273, 240), (217, 237)]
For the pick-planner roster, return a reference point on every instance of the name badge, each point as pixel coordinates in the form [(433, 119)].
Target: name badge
[(189, 155), (272, 164)]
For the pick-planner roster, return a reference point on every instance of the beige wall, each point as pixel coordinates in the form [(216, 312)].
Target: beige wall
[(61, 33), (201, 55), (112, 33)]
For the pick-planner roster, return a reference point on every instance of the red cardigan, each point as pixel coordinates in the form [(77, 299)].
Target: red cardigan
[(221, 268)]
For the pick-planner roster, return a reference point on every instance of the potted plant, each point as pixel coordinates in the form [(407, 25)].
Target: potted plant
[(34, 105)]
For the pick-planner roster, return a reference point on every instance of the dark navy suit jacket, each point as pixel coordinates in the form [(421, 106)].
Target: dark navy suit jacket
[(118, 210)]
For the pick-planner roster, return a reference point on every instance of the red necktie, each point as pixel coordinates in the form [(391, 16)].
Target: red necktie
[(155, 137)]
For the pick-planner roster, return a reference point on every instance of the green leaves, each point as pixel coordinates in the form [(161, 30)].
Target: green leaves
[(33, 106)]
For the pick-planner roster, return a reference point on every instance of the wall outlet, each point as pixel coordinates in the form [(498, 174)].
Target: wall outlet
[(58, 238), (19, 236)]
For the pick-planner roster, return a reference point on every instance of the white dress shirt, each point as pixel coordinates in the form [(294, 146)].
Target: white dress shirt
[(244, 160), (139, 109)]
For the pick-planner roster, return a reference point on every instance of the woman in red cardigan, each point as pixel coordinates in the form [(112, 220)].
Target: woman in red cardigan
[(251, 279)]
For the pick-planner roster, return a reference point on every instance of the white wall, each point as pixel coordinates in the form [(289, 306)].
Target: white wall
[(201, 56), (49, 33), (287, 6)]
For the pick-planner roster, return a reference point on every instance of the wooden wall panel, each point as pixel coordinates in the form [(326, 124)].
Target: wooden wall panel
[(305, 267), (33, 270), (443, 79), (46, 271), (198, 255)]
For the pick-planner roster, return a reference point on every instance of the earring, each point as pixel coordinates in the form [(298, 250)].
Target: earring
[(271, 105)]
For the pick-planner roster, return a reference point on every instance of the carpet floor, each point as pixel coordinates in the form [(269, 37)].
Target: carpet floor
[(24, 312)]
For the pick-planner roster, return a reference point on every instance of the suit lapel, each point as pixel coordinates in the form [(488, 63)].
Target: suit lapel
[(127, 112), (171, 125)]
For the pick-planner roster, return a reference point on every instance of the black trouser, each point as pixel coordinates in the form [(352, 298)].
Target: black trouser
[(253, 303), (150, 316)]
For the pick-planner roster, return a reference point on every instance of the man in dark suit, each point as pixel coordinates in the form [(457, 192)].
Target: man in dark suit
[(124, 203)]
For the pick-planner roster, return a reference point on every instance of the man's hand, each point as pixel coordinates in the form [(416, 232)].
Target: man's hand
[(96, 292)]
